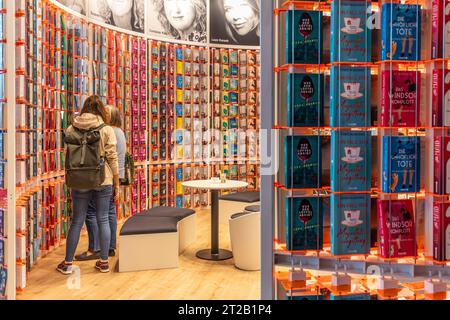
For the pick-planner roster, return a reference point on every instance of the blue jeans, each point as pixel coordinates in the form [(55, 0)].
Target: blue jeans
[(80, 203), (92, 227)]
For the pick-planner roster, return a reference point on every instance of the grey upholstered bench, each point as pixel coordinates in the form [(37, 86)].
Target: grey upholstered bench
[(254, 208), (186, 222), (148, 242)]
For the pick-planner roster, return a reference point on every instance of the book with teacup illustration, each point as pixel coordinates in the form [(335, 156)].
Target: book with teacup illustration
[(441, 230), (396, 228), (303, 162), (351, 40), (350, 224), (305, 100), (304, 223), (440, 97), (401, 164), (400, 98), (350, 96), (304, 36), (440, 26), (350, 167), (400, 31)]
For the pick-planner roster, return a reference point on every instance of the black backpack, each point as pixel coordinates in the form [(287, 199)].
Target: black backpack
[(129, 170), (85, 167)]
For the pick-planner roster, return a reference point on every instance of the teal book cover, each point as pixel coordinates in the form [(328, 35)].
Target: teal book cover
[(304, 36), (303, 162), (305, 96)]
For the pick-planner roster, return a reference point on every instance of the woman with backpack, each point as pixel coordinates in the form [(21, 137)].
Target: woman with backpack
[(92, 172), (115, 121)]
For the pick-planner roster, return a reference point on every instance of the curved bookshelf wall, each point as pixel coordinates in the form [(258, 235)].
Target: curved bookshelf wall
[(189, 110)]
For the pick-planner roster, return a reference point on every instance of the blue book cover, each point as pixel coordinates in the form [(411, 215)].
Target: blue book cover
[(303, 162), (350, 224), (304, 223), (305, 100), (304, 36), (351, 40), (357, 296), (350, 168), (401, 164), (400, 31), (3, 278), (350, 96)]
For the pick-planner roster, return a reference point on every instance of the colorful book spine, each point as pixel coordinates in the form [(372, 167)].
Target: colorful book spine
[(440, 97), (441, 167), (441, 231), (304, 223), (350, 96), (351, 39), (401, 164), (396, 228), (304, 36), (303, 162), (350, 224), (440, 29), (400, 98), (305, 100), (400, 31), (350, 161)]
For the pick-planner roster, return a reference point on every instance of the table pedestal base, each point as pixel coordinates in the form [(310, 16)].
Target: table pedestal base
[(207, 254)]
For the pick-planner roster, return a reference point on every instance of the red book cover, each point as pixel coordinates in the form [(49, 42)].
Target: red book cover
[(440, 24), (441, 167), (397, 236), (441, 97), (400, 101), (441, 231)]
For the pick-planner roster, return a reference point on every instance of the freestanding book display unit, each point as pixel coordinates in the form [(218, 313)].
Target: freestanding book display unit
[(359, 199)]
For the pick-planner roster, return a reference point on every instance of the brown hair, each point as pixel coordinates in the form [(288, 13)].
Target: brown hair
[(94, 105), (115, 119)]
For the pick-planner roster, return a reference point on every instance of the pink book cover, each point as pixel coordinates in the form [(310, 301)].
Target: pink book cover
[(397, 236), (400, 106), (441, 231), (440, 24), (441, 97), (441, 165)]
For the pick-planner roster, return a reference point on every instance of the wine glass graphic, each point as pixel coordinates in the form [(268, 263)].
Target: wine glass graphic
[(304, 152), (305, 25), (305, 214), (307, 88)]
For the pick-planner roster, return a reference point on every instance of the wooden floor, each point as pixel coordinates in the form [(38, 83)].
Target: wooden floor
[(194, 278)]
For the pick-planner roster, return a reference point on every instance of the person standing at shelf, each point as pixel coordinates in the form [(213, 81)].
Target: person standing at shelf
[(90, 123), (93, 252)]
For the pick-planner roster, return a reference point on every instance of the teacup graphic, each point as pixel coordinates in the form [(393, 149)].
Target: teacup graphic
[(352, 25), (352, 217), (351, 90), (352, 154)]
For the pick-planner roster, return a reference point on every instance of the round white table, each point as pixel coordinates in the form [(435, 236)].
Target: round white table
[(214, 253)]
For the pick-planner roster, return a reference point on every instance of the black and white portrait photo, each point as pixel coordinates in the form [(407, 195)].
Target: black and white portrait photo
[(124, 14), (235, 22), (178, 19), (76, 5)]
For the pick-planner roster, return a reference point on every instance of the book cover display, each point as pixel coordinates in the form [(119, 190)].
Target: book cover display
[(350, 167), (305, 100), (304, 37), (303, 162), (401, 164), (350, 97), (351, 39), (400, 31), (440, 97), (400, 100), (441, 165), (440, 32), (441, 230), (350, 224), (396, 228), (304, 223)]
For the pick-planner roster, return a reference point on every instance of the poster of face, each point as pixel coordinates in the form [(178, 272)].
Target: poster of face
[(235, 22), (76, 5), (124, 14), (178, 19)]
